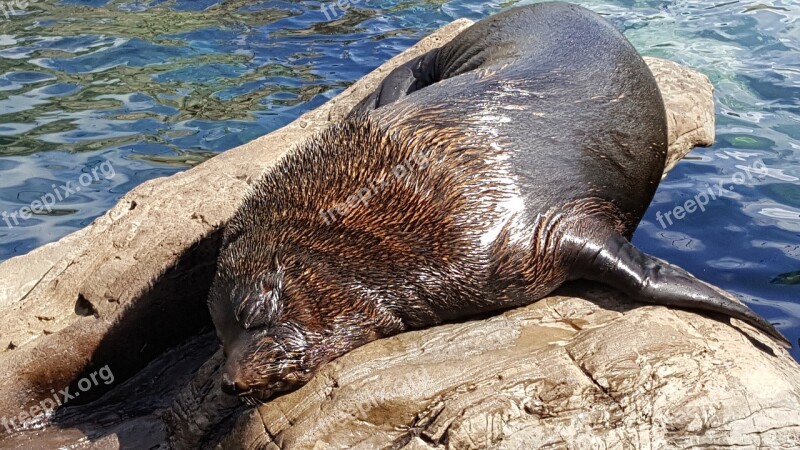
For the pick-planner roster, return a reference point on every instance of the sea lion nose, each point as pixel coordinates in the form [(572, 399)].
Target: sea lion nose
[(233, 387)]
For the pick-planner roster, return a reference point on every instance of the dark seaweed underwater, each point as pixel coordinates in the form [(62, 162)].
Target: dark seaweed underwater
[(155, 87)]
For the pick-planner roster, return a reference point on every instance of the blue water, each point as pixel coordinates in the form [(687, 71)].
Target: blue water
[(151, 88)]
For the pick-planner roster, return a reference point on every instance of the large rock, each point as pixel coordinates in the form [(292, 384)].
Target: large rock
[(584, 369)]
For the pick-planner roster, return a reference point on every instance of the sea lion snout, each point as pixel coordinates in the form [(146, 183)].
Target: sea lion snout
[(239, 378), (233, 385), (261, 363)]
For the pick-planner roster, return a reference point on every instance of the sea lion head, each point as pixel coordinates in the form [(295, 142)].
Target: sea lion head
[(264, 354), (263, 362)]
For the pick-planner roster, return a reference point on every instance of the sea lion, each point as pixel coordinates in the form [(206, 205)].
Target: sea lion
[(478, 177)]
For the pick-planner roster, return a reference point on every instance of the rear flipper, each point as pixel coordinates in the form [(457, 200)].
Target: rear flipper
[(410, 77), (617, 263)]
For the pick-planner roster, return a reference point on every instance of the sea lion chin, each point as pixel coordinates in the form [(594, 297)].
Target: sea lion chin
[(478, 177)]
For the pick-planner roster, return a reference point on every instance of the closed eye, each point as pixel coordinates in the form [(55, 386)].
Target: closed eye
[(259, 304), (258, 309)]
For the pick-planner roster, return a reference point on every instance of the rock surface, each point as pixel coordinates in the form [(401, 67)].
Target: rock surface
[(583, 369)]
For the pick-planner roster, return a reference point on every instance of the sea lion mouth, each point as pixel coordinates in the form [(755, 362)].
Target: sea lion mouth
[(256, 397)]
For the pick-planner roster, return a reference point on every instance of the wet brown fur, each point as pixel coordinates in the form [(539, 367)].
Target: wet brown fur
[(406, 259)]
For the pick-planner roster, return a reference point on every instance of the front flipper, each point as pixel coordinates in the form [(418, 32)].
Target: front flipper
[(617, 263)]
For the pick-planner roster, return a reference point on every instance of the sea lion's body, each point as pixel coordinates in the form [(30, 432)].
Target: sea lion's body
[(478, 177)]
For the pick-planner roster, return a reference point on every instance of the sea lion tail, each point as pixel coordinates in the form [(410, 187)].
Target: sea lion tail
[(618, 263)]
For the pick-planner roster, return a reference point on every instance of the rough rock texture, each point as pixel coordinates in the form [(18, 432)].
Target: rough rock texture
[(689, 99), (583, 370), (577, 371)]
